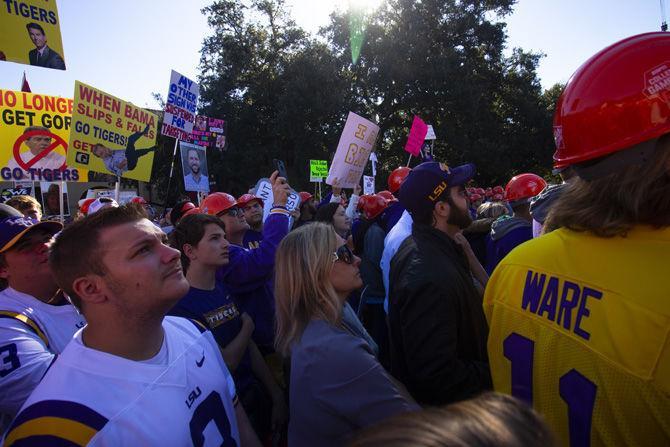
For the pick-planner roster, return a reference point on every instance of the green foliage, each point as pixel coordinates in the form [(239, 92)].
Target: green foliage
[(285, 94)]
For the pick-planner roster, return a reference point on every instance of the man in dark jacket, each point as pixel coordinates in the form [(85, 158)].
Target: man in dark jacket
[(437, 326), (42, 55)]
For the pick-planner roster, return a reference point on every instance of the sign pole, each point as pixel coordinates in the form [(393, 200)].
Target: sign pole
[(117, 189), (62, 207), (174, 154), (409, 159)]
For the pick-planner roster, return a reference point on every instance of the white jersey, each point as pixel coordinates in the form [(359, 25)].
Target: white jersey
[(31, 333), (90, 397)]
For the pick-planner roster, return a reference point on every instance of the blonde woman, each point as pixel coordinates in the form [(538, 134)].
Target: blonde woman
[(336, 385)]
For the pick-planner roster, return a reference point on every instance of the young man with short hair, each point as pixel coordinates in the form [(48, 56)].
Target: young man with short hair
[(201, 240), (36, 322), (437, 327), (132, 376), (27, 205)]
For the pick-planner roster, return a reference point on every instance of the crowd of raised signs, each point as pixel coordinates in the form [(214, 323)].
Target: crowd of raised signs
[(433, 313)]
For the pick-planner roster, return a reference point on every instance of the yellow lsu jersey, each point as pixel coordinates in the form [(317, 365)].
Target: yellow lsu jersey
[(579, 327)]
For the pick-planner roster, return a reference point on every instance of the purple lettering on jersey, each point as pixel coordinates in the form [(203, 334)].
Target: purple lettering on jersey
[(519, 351), (584, 311), (567, 305), (549, 300), (580, 394), (532, 291)]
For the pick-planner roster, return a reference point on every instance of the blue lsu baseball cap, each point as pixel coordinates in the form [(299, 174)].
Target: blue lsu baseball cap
[(425, 183), (13, 226)]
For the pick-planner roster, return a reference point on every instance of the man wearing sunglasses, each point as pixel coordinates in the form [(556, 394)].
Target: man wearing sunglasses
[(248, 275), (437, 326), (36, 322)]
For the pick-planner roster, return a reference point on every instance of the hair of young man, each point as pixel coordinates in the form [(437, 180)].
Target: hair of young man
[(326, 212), (24, 203), (492, 419), (612, 205), (33, 25), (76, 251), (427, 217), (191, 230), (491, 210), (303, 290)]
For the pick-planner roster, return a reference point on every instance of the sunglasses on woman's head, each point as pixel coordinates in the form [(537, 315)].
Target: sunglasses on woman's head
[(344, 254)]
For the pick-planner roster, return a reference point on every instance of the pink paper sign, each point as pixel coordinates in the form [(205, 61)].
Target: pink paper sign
[(417, 135)]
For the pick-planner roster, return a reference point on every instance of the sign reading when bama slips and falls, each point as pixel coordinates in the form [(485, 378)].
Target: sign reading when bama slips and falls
[(34, 134), (110, 135), (31, 33)]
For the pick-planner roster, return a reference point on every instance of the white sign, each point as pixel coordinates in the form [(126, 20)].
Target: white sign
[(431, 133), (315, 179), (368, 184), (357, 140), (264, 191), (180, 107)]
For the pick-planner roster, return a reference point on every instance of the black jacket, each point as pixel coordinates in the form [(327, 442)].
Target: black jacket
[(437, 325)]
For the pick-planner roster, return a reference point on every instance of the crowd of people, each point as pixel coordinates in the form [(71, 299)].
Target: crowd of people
[(434, 313)]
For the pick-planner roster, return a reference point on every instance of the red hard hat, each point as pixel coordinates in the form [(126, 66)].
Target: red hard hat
[(84, 204), (397, 177), (498, 197), (304, 196), (139, 200), (388, 195), (481, 192), (488, 192), (217, 202), (619, 98), (244, 199), (475, 197), (192, 211), (361, 202), (373, 206), (498, 190), (524, 186)]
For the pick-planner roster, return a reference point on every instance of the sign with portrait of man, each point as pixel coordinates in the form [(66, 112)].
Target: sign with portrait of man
[(194, 165), (31, 34)]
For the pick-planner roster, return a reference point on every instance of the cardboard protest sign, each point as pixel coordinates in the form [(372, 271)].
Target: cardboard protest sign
[(51, 199), (194, 166), (318, 168), (8, 193), (264, 191), (110, 135), (31, 33), (209, 132), (368, 184), (416, 137), (34, 134), (180, 107), (356, 142), (430, 134)]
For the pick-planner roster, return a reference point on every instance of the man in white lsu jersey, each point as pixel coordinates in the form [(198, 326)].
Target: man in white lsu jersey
[(36, 322), (131, 376)]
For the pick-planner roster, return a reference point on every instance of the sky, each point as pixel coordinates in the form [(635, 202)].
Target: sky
[(128, 47)]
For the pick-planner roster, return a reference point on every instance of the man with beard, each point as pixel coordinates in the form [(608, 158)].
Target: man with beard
[(437, 326), (195, 181)]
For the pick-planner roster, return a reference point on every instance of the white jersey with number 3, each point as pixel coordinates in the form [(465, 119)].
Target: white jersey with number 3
[(88, 397)]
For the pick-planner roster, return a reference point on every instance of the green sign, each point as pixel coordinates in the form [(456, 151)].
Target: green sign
[(318, 168)]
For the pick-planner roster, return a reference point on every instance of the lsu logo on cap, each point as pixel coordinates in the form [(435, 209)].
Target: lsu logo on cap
[(439, 189)]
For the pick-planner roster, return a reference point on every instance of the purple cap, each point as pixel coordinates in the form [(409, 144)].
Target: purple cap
[(425, 183), (13, 228)]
